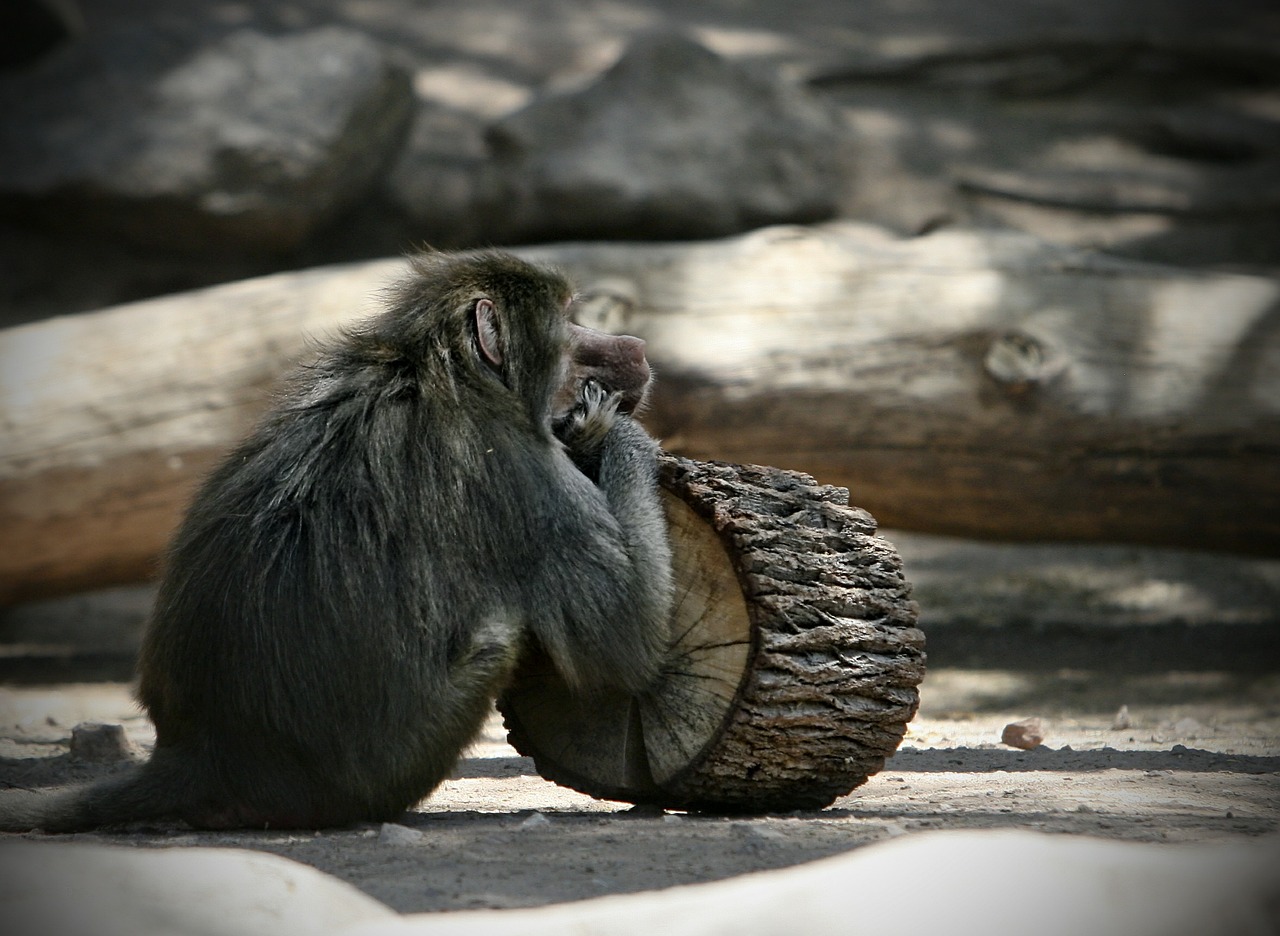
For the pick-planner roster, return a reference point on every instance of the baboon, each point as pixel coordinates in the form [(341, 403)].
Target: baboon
[(453, 480)]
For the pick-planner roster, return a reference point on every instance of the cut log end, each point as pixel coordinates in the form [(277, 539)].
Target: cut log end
[(794, 663)]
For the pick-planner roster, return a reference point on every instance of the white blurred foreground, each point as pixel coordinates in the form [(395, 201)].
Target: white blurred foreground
[(957, 883)]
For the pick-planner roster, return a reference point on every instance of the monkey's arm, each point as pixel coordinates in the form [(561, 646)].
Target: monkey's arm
[(613, 629)]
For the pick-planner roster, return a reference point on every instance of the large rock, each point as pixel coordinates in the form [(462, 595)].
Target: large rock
[(1133, 137), (672, 141), (31, 29), (439, 180), (251, 143)]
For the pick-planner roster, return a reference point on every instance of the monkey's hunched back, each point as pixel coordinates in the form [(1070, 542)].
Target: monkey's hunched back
[(352, 586)]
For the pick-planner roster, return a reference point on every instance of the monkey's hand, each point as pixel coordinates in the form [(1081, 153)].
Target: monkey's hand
[(584, 429)]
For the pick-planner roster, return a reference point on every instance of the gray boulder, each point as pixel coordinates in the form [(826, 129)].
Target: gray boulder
[(439, 181), (672, 141), (250, 143), (31, 29)]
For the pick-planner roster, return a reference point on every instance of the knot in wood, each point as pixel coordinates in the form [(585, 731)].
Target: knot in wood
[(607, 305), (1018, 363)]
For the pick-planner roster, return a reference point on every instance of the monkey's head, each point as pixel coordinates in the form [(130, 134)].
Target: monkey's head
[(494, 320), (617, 362)]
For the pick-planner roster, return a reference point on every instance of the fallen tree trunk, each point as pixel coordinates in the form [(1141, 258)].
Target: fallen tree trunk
[(973, 383), (109, 419)]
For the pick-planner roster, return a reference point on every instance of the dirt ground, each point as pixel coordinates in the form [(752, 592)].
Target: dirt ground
[(1199, 762)]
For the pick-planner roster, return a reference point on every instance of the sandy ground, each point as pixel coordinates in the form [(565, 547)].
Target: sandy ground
[(1200, 762)]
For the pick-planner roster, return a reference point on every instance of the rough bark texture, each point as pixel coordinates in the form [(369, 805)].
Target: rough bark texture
[(829, 680)]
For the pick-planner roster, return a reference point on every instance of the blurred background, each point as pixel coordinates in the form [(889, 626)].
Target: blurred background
[(149, 147), (1008, 270)]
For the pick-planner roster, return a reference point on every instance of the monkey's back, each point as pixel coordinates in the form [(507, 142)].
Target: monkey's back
[(301, 654)]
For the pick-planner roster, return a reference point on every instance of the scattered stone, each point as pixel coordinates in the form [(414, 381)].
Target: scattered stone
[(535, 821), (1189, 728), (757, 831), (1025, 734), (100, 743), (393, 834), (672, 141), (1121, 721)]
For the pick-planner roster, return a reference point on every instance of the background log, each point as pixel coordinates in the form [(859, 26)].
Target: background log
[(975, 383), (969, 383), (109, 419)]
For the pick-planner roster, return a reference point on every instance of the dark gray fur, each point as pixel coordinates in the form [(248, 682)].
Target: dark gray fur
[(352, 586)]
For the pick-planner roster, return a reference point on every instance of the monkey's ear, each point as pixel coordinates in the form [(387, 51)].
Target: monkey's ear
[(487, 332)]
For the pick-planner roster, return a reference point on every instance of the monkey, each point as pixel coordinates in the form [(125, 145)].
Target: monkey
[(455, 481)]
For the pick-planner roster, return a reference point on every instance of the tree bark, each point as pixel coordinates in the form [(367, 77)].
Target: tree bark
[(972, 383), (794, 666)]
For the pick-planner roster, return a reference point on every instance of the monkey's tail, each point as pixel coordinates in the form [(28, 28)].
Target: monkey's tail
[(153, 790)]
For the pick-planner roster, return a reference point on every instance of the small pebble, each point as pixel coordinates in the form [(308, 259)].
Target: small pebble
[(393, 834), (534, 821), (101, 744), (1025, 734), (1122, 719), (751, 830), (1189, 728)]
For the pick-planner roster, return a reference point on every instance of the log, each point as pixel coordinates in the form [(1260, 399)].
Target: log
[(972, 384), (794, 665), (965, 382), (108, 420)]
